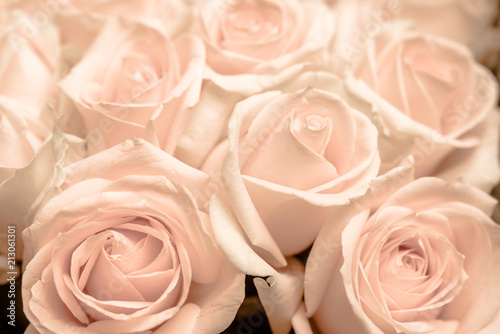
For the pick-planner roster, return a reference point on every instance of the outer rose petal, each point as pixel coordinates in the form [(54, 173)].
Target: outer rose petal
[(31, 186), (465, 164), (21, 135)]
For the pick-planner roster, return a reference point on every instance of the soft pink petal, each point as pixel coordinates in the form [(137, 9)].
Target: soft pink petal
[(281, 294)]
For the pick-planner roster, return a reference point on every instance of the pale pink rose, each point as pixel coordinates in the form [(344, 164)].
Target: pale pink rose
[(134, 81), (263, 36), (79, 21), (444, 99), (427, 261), (127, 247), (292, 154)]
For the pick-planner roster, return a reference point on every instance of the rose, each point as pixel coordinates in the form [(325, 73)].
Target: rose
[(444, 99), (426, 261), (127, 247), (247, 36), (134, 81), (291, 155)]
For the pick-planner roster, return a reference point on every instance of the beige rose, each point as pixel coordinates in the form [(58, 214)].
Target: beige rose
[(444, 99), (134, 81), (246, 36), (127, 247), (291, 154), (427, 261)]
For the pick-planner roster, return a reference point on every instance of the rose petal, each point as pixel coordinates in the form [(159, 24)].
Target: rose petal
[(281, 294), (229, 236)]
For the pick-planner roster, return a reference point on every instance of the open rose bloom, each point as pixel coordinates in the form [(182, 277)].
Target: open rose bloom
[(250, 166), (126, 247), (427, 261), (140, 84), (442, 97)]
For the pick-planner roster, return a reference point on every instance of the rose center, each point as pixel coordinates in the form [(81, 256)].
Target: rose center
[(119, 245), (312, 127), (415, 271), (139, 75), (247, 21)]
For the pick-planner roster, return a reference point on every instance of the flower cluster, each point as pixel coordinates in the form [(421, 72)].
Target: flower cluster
[(166, 163)]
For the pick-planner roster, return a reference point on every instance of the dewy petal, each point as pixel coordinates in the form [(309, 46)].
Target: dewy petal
[(313, 131), (269, 145)]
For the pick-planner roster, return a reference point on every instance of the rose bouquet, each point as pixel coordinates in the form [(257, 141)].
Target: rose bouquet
[(249, 166)]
